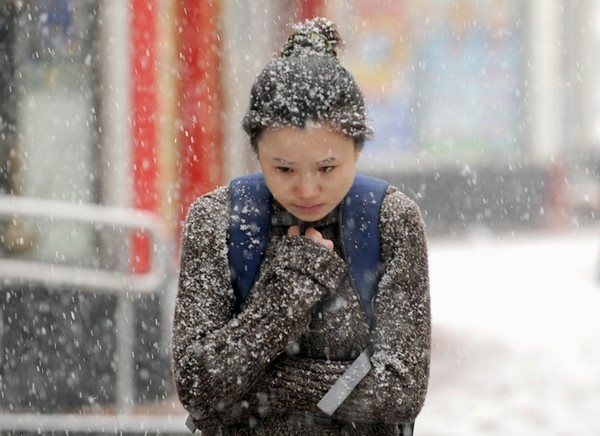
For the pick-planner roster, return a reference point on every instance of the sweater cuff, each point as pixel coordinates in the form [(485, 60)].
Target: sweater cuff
[(302, 382), (300, 254)]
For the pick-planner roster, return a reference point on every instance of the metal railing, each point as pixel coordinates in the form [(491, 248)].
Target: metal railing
[(122, 284), (98, 216), (113, 425)]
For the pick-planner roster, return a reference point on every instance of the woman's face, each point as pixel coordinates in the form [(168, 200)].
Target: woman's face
[(309, 171)]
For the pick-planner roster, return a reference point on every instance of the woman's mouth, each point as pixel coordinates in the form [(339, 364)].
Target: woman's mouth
[(309, 209)]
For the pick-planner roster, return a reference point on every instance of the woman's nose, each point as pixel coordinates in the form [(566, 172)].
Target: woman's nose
[(307, 187)]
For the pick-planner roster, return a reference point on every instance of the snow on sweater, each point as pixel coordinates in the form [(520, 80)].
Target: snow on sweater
[(302, 325)]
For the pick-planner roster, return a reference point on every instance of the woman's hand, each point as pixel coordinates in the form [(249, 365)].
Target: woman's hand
[(313, 235)]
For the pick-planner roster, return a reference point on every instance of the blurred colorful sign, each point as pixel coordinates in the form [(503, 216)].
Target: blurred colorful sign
[(441, 76), (379, 55)]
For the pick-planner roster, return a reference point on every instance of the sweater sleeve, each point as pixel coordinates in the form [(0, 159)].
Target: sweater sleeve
[(395, 388), (216, 359)]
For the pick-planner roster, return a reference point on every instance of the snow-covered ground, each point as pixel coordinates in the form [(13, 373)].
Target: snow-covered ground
[(516, 335)]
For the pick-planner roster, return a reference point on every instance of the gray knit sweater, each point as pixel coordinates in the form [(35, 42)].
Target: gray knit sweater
[(263, 372)]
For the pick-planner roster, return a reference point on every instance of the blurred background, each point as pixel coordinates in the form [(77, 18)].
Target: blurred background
[(116, 114)]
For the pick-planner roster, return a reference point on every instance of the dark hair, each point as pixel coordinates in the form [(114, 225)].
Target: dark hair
[(307, 83)]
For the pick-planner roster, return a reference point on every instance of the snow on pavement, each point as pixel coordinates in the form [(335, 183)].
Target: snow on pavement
[(516, 335)]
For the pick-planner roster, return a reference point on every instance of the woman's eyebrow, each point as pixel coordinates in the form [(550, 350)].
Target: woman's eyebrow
[(326, 160), (283, 161), (320, 162)]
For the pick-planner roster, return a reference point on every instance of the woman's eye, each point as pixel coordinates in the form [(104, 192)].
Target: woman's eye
[(284, 170), (327, 169)]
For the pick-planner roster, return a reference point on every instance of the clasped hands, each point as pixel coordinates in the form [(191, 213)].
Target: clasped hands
[(312, 234)]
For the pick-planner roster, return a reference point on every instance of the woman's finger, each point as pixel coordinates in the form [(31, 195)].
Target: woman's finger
[(294, 231), (317, 237), (328, 243)]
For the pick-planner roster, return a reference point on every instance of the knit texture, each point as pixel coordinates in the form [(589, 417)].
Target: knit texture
[(263, 372)]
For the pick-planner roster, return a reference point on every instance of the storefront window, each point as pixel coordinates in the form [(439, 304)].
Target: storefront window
[(442, 77), (55, 148)]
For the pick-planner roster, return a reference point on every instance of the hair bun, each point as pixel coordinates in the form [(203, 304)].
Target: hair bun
[(315, 37)]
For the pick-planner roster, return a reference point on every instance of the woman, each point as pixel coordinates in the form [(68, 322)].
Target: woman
[(265, 365)]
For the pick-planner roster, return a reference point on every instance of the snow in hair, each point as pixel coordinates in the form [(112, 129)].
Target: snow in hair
[(316, 37), (307, 83)]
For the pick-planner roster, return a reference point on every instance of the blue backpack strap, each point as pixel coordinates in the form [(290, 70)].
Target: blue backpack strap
[(249, 226), (360, 238)]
